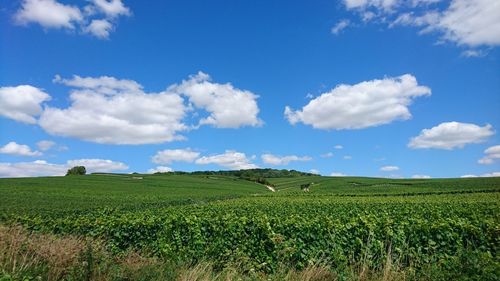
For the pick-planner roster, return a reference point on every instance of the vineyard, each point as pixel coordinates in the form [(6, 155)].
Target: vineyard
[(429, 229)]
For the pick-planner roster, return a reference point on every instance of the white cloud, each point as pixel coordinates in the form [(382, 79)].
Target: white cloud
[(389, 168), (230, 159), (103, 85), (99, 28), (420, 177), (229, 107), (22, 103), (282, 160), (112, 8), (474, 53), (108, 110), (31, 169), (118, 111), (341, 25), (487, 175), (490, 175), (160, 169), (338, 146), (314, 171), (472, 23), (53, 14), (363, 105), (450, 135), (492, 155), (48, 13), (347, 157), (43, 168), (336, 174), (175, 155), (45, 145), (14, 148), (98, 165), (386, 5), (368, 16), (327, 155)]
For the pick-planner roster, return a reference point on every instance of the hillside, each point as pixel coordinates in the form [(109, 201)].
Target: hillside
[(98, 191)]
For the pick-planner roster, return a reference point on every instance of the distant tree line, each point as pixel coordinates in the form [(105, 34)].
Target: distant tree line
[(264, 173), (255, 175)]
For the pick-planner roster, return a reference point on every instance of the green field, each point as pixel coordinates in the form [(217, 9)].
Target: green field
[(76, 194), (432, 229)]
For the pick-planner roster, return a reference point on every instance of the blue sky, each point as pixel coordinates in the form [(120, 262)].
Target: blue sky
[(385, 88)]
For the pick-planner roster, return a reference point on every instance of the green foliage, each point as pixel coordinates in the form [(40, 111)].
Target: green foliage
[(255, 175), (427, 225), (76, 171)]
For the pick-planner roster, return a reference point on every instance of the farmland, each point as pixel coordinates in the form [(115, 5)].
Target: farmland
[(350, 227)]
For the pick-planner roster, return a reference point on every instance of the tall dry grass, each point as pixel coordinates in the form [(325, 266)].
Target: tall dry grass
[(20, 252), (50, 257)]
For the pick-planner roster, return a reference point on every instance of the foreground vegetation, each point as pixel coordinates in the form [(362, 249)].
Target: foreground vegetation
[(221, 227)]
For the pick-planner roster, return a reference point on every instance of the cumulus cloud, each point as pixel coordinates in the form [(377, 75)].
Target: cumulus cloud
[(36, 168), (160, 169), (389, 168), (14, 148), (175, 155), (338, 146), (22, 103), (347, 157), (108, 110), (40, 168), (282, 160), (491, 175), (471, 23), (53, 14), (487, 175), (48, 13), (112, 8), (337, 174), (99, 28), (420, 177), (45, 145), (98, 165), (451, 135), (363, 105), (341, 25), (365, 4), (492, 154), (118, 111), (103, 85), (230, 159), (228, 106)]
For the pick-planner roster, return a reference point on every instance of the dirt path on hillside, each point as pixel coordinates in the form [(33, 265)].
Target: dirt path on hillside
[(271, 188)]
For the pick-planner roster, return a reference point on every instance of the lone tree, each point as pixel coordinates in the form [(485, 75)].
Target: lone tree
[(76, 171)]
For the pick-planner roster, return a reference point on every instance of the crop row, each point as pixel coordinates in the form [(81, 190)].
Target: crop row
[(261, 233)]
